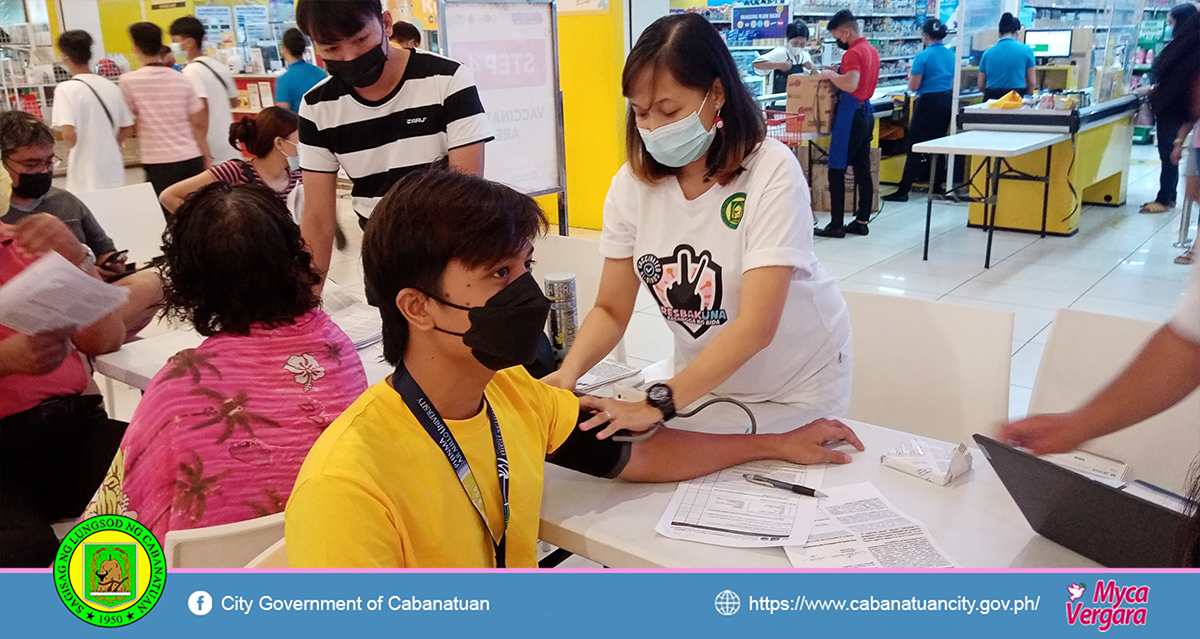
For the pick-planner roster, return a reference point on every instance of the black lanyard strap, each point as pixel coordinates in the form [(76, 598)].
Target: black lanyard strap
[(433, 424)]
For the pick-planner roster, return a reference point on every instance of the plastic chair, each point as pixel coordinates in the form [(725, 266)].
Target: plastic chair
[(1084, 352), (225, 546), (933, 369), (131, 216), (273, 557)]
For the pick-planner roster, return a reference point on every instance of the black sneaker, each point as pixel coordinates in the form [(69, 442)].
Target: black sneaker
[(857, 228), (896, 196), (831, 231)]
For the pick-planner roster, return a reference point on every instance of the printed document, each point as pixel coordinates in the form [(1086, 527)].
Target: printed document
[(51, 294), (726, 510), (859, 528)]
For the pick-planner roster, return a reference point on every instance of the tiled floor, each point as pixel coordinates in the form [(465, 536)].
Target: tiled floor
[(1120, 263)]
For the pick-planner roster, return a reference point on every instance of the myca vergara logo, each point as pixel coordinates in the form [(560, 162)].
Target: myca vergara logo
[(110, 571), (1111, 605)]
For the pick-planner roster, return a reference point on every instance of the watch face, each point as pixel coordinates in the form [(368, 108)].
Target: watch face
[(660, 394)]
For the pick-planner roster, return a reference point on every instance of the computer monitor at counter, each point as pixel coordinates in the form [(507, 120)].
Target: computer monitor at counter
[(1049, 43)]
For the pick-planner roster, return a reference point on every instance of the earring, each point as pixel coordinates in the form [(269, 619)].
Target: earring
[(719, 123)]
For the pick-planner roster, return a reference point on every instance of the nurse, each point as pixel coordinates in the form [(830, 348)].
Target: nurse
[(853, 125), (1008, 65), (713, 218), (790, 59), (932, 80)]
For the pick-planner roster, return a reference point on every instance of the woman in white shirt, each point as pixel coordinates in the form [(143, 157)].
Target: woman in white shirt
[(715, 220), (789, 59)]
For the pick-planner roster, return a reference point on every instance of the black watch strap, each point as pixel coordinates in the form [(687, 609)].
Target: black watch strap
[(661, 397)]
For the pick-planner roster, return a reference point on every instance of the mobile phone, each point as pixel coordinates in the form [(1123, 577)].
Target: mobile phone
[(112, 258)]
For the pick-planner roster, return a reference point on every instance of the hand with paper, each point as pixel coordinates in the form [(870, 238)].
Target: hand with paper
[(52, 295), (41, 233)]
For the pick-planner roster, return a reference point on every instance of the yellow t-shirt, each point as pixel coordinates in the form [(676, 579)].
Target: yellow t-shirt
[(377, 492)]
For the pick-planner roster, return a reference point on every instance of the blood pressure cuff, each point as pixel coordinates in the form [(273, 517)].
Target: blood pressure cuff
[(596, 457)]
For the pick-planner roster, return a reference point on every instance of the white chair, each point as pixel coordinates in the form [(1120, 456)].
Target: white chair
[(273, 557), (1084, 352), (933, 369), (225, 546), (131, 216), (581, 256)]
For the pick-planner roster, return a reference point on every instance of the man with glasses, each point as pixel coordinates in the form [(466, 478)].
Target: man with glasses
[(27, 151)]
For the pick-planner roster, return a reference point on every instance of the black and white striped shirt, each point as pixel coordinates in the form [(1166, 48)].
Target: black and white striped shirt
[(435, 108)]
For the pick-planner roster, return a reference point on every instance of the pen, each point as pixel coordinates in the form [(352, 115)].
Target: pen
[(775, 483)]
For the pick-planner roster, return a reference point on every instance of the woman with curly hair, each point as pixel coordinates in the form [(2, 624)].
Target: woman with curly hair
[(223, 428)]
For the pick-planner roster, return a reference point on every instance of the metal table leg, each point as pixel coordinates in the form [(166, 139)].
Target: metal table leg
[(1046, 189), (995, 199), (929, 206)]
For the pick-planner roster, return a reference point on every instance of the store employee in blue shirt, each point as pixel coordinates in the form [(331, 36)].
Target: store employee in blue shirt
[(1008, 65), (932, 80), (300, 75)]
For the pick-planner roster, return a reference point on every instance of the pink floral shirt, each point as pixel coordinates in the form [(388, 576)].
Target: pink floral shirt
[(222, 429)]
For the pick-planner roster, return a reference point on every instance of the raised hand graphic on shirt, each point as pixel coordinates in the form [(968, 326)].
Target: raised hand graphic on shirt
[(684, 294)]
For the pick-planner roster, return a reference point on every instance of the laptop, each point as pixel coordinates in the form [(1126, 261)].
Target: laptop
[(1102, 523)]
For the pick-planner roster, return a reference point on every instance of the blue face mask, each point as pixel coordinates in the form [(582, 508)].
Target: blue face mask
[(681, 142)]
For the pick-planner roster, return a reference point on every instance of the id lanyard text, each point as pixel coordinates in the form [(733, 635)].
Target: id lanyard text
[(433, 424)]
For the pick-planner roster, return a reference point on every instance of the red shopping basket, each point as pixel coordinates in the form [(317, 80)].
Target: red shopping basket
[(785, 127)]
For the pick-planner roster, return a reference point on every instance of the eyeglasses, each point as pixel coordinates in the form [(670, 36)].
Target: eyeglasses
[(35, 166)]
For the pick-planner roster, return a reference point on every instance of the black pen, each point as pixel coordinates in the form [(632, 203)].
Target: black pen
[(775, 483)]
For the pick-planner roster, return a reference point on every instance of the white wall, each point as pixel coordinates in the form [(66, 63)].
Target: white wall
[(639, 14)]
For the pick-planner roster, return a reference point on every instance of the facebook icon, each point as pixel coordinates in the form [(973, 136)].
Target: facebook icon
[(200, 603)]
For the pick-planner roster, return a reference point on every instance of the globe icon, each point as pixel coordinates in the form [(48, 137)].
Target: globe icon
[(728, 603)]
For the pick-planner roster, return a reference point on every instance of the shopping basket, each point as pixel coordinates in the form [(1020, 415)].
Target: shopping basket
[(785, 127)]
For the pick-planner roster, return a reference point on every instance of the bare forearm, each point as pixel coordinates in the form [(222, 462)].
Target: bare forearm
[(676, 455), (317, 226), (598, 336), (105, 336), (724, 356), (1164, 373)]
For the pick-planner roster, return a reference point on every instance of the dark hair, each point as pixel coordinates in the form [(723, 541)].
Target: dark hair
[(1182, 13), (797, 29), (405, 32), (234, 258), (429, 219), (189, 27), (258, 134), (1176, 71), (328, 21), (147, 37), (76, 45), (294, 42), (1189, 538), (841, 18), (19, 129), (688, 47), (1009, 23), (934, 29)]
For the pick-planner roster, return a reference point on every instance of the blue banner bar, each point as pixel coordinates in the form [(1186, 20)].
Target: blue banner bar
[(609, 604)]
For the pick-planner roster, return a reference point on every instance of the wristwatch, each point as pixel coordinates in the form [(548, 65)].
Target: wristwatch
[(661, 397), (89, 260)]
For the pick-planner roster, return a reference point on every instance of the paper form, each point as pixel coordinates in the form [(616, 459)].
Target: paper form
[(726, 510), (859, 528), (51, 294), (361, 322)]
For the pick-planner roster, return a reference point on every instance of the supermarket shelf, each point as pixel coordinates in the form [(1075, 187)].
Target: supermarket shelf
[(753, 48), (883, 38)]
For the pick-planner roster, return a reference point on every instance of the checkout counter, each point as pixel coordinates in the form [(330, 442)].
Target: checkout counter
[(1090, 167)]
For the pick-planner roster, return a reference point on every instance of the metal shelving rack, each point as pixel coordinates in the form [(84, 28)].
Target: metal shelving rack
[(20, 55)]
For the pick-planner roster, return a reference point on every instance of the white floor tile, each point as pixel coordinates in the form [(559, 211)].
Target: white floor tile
[(861, 287), (1131, 288), (1148, 312), (1025, 364), (1059, 252), (1028, 320), (1010, 294), (894, 278), (841, 270), (1041, 276), (847, 250), (1018, 402)]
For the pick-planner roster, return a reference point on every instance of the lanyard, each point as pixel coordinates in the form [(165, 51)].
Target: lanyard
[(433, 423)]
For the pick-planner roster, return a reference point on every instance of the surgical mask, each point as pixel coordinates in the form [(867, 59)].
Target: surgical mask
[(507, 330), (679, 143), (32, 186), (293, 160), (362, 71), (1168, 32), (176, 47)]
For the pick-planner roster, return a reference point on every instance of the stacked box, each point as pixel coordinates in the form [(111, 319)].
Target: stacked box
[(820, 185), (815, 98)]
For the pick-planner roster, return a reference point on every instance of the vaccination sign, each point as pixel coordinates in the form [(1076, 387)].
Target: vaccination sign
[(509, 48)]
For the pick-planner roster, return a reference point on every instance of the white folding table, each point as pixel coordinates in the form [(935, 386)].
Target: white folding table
[(996, 146), (974, 519)]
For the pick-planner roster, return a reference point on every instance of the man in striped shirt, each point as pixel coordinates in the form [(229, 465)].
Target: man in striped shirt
[(172, 123), (383, 113)]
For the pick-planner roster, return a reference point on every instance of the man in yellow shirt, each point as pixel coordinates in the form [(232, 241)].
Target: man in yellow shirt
[(441, 464)]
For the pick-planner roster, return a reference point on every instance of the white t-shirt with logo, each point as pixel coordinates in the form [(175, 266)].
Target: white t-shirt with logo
[(691, 256), (216, 92), (1187, 318), (95, 162)]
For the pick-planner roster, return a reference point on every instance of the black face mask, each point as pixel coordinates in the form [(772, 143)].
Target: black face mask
[(362, 71), (505, 331), (31, 186), (843, 45)]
